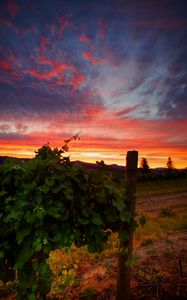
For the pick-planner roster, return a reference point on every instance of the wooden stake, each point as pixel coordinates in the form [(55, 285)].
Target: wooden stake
[(125, 248)]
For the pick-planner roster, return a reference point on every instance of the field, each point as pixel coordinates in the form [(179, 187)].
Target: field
[(159, 263)]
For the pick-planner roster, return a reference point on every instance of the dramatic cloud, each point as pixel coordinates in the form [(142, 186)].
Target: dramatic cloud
[(114, 72)]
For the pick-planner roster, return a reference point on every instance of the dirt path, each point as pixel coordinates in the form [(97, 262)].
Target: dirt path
[(150, 203)]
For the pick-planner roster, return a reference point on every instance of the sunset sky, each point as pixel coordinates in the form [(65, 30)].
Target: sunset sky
[(114, 71)]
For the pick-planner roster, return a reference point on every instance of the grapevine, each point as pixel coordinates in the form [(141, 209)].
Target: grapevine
[(50, 202)]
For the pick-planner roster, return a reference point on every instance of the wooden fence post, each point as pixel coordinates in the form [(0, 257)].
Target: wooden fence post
[(125, 247)]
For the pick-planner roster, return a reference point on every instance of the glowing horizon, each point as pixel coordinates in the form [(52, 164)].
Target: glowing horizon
[(81, 151)]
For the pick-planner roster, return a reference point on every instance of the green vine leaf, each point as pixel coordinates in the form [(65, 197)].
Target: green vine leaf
[(49, 181), (50, 202), (14, 215), (32, 296), (83, 221), (101, 196), (125, 216), (25, 254), (44, 189), (21, 234), (119, 204), (37, 244), (96, 219), (54, 212)]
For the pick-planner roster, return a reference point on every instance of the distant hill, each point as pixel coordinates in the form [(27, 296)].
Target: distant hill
[(97, 166), (86, 164), (3, 158)]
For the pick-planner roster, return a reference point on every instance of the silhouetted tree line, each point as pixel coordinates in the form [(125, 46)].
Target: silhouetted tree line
[(146, 173), (144, 165)]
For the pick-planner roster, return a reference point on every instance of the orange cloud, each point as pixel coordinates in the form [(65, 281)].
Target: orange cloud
[(90, 149), (104, 135)]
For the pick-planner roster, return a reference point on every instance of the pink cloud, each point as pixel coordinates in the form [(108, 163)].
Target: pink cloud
[(85, 39), (10, 25), (76, 80), (12, 7), (43, 44), (16, 29), (88, 55), (4, 127), (58, 28), (58, 72), (91, 111), (108, 56), (4, 65), (102, 28), (20, 126), (127, 110), (63, 23), (11, 67)]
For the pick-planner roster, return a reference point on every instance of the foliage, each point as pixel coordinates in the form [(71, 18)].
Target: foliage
[(144, 166), (48, 203), (170, 164), (153, 176), (64, 264)]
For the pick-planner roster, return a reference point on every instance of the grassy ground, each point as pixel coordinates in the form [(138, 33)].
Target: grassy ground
[(160, 187), (161, 224)]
